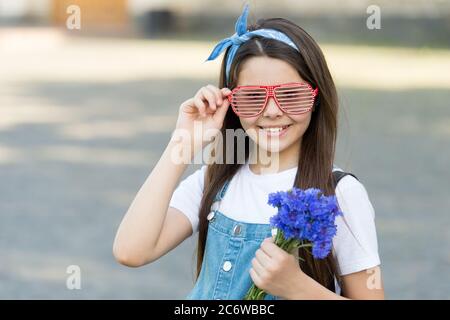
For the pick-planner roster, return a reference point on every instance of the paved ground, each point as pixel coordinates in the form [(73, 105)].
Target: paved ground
[(83, 124)]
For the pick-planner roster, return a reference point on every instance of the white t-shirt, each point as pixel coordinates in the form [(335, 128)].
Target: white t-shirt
[(355, 245)]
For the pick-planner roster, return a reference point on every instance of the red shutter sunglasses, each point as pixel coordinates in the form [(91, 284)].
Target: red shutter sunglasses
[(291, 98)]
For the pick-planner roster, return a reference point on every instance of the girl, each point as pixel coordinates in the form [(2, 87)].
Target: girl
[(282, 96)]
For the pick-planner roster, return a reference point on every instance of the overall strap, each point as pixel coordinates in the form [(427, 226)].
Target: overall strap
[(219, 196)]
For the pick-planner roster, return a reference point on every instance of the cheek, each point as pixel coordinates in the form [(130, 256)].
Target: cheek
[(301, 122), (248, 122), (250, 127)]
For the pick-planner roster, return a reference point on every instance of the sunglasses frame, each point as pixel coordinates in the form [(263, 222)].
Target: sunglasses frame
[(270, 92)]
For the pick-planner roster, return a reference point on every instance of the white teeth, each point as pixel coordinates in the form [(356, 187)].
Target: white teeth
[(274, 130)]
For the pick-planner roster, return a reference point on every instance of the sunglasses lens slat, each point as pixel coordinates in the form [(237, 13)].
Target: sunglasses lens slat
[(249, 101), (295, 99)]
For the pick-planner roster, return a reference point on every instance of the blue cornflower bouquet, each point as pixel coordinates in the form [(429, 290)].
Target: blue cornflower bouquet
[(305, 218)]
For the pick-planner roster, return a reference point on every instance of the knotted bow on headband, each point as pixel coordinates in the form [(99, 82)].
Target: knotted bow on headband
[(242, 35)]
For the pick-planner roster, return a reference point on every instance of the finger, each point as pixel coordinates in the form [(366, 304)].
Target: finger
[(209, 96), (255, 277), (216, 92), (269, 239), (271, 249), (219, 116), (258, 267), (203, 106), (262, 258), (200, 105), (225, 92), (188, 105)]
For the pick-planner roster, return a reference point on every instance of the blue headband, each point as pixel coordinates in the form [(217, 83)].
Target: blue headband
[(241, 36)]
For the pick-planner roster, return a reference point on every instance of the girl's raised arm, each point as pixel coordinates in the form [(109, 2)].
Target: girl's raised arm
[(150, 228)]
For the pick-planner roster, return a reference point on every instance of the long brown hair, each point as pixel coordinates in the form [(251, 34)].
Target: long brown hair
[(318, 142)]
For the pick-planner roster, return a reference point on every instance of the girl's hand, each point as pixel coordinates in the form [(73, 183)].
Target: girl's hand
[(277, 272), (206, 110)]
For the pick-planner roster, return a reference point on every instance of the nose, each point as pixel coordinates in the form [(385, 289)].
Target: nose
[(271, 110)]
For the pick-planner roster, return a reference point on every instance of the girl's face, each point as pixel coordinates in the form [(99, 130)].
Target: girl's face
[(271, 71)]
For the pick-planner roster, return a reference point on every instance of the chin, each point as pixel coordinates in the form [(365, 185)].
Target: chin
[(273, 147)]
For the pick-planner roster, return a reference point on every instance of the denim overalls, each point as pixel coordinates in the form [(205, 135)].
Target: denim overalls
[(230, 247)]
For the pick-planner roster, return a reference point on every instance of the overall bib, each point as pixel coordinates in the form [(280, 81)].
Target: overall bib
[(230, 247)]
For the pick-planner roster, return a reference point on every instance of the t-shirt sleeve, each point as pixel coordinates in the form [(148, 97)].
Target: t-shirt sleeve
[(355, 244), (188, 195)]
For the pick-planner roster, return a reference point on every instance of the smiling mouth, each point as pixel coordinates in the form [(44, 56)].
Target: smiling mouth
[(274, 131)]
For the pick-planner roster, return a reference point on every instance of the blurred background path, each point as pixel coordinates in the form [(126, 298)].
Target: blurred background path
[(84, 118)]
